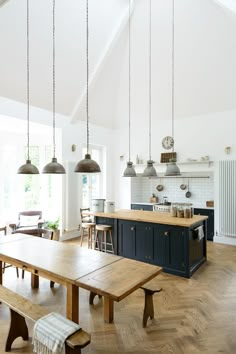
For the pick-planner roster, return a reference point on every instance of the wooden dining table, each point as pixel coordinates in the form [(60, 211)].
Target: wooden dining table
[(73, 266)]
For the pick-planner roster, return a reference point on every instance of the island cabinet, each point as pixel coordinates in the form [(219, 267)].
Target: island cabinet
[(156, 244), (159, 239)]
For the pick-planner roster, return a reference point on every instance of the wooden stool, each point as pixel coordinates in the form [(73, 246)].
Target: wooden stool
[(104, 242), (90, 227), (148, 304)]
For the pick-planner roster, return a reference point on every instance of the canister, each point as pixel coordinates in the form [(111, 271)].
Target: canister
[(109, 207), (98, 205)]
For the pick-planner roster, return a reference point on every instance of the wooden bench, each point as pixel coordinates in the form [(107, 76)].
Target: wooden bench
[(22, 308), (149, 290)]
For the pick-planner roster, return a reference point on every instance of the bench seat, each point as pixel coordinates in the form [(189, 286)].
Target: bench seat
[(22, 308)]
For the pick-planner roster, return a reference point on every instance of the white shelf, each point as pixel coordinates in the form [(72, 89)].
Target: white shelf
[(178, 163)]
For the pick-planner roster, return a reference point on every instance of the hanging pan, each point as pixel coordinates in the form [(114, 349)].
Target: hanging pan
[(160, 187), (188, 193)]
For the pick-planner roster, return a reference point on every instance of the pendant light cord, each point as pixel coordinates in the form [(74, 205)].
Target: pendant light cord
[(53, 79), (150, 79), (173, 68), (87, 73), (28, 78), (129, 77)]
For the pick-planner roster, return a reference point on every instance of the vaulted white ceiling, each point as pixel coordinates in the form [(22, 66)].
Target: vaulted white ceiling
[(205, 56)]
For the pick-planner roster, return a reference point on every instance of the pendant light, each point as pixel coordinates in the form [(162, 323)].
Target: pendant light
[(172, 169), (54, 167), (150, 170), (87, 165), (28, 168), (129, 171)]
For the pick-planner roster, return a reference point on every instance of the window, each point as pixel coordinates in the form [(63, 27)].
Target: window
[(92, 184)]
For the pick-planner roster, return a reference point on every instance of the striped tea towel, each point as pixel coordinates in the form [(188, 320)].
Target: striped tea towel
[(50, 333)]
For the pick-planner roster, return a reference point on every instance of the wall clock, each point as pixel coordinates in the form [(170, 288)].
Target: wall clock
[(167, 142)]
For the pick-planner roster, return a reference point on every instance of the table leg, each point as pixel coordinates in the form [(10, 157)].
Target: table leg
[(108, 309), (34, 281), (72, 309)]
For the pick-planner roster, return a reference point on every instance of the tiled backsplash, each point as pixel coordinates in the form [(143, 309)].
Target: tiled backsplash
[(202, 189)]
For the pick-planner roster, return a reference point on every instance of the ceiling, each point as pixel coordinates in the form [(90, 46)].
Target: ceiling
[(205, 56)]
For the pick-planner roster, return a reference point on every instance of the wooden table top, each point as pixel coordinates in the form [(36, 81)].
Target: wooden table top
[(119, 279), (13, 237), (68, 262), (153, 217)]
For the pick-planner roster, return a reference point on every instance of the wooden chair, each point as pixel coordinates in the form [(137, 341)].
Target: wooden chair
[(87, 226), (5, 265)]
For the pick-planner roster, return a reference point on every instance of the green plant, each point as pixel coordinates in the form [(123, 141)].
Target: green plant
[(53, 225)]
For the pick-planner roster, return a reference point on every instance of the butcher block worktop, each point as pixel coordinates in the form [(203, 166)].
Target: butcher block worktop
[(153, 217)]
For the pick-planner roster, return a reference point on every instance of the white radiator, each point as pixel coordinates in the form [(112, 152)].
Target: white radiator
[(227, 198)]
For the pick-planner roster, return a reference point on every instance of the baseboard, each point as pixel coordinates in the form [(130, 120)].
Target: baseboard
[(69, 234), (225, 240)]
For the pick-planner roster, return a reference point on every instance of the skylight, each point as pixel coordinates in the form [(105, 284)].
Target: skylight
[(229, 4)]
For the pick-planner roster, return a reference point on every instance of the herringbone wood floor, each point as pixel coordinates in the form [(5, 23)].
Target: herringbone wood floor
[(196, 315)]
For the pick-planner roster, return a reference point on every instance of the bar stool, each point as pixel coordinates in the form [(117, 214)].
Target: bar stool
[(104, 239), (90, 228)]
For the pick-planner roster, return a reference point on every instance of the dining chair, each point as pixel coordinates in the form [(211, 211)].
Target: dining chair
[(5, 265), (87, 226)]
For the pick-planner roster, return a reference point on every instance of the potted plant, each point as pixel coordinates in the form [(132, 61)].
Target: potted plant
[(54, 226)]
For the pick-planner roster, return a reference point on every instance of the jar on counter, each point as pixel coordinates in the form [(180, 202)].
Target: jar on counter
[(188, 210), (173, 210), (180, 211)]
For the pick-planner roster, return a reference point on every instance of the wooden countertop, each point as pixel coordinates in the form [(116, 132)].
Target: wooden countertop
[(153, 217)]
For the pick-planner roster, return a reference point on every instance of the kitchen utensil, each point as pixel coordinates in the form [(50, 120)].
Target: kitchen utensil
[(160, 187), (188, 193), (183, 186)]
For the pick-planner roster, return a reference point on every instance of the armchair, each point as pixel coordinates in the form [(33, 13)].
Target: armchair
[(28, 222)]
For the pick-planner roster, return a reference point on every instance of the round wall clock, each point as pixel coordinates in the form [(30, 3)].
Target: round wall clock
[(167, 142)]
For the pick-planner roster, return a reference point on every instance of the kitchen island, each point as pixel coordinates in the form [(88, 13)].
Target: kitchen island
[(158, 238)]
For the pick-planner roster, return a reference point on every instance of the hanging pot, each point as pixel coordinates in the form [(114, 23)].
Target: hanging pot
[(183, 186), (188, 193)]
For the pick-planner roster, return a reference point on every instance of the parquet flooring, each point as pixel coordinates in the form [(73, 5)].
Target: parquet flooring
[(196, 315)]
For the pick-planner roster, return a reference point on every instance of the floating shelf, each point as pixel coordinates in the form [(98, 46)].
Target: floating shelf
[(178, 163)]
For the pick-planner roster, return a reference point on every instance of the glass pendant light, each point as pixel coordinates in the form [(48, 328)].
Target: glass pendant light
[(150, 170), (129, 171), (172, 169), (87, 165), (54, 167), (28, 168)]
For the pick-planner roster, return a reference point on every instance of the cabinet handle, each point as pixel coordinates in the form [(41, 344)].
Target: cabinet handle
[(166, 233), (132, 228)]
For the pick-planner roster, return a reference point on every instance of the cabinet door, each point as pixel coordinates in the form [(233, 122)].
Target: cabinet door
[(144, 242), (126, 232), (169, 247)]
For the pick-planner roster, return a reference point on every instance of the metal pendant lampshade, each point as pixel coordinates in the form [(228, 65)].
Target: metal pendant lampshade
[(129, 171), (172, 169), (28, 168), (150, 170), (54, 167), (87, 165)]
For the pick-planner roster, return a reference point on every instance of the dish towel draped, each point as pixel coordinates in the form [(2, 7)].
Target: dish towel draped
[(50, 333), (200, 232)]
